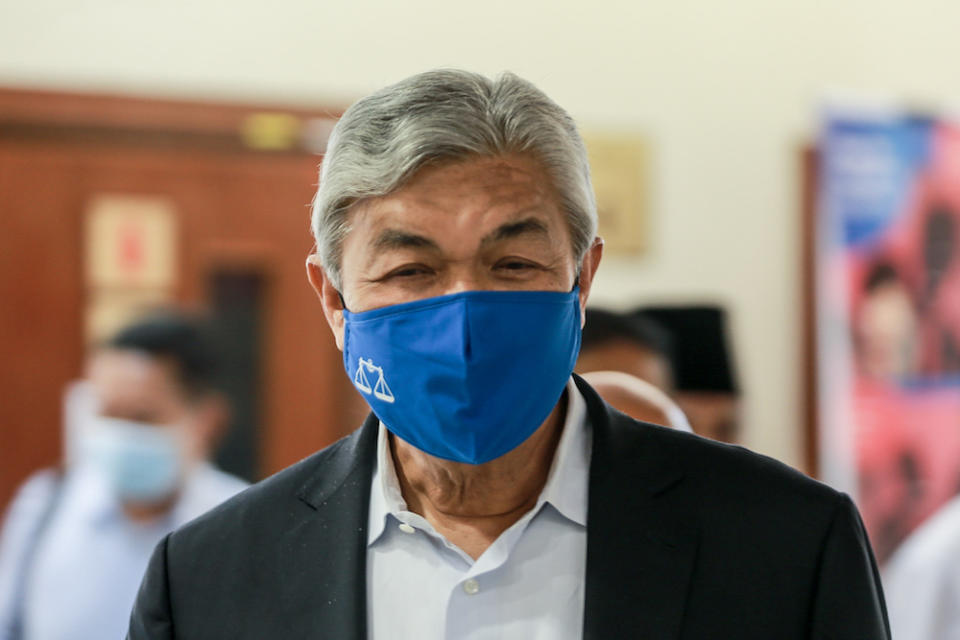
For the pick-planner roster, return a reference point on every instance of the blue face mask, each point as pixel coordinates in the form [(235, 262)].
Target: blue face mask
[(143, 463), (468, 376)]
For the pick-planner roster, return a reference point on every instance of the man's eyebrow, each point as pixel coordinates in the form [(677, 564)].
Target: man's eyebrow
[(518, 228), (397, 239)]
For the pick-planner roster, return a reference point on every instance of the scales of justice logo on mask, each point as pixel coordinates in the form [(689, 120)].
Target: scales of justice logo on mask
[(379, 389)]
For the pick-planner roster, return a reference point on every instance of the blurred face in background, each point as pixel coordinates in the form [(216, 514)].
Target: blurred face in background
[(147, 431), (637, 398), (628, 357)]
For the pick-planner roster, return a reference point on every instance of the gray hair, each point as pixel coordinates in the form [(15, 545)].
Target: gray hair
[(446, 115)]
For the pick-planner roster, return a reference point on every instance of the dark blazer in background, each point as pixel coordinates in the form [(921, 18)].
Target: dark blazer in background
[(686, 538)]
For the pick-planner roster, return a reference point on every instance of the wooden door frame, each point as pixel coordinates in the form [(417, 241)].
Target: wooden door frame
[(32, 114), (808, 170)]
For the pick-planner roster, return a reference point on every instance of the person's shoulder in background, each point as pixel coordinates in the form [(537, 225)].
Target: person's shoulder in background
[(29, 505), (208, 487), (23, 517), (922, 579), (34, 494), (932, 544)]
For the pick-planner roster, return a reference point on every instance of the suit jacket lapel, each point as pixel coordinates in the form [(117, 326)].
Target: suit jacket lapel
[(641, 546), (324, 555)]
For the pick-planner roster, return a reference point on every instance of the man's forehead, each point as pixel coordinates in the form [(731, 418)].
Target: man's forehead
[(489, 192), (126, 372), (385, 226)]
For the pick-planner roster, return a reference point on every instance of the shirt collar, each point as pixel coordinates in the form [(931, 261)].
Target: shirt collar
[(385, 495), (567, 483)]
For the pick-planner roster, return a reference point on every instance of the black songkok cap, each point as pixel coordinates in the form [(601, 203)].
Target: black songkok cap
[(701, 357), (603, 326)]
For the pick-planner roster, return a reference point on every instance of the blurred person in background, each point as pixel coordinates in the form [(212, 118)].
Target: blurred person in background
[(626, 359), (637, 398), (456, 248), (76, 540), (623, 342), (922, 579), (705, 384)]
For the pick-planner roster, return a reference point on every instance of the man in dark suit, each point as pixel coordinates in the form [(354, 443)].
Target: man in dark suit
[(491, 494)]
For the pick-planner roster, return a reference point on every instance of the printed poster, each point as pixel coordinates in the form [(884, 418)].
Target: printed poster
[(888, 325)]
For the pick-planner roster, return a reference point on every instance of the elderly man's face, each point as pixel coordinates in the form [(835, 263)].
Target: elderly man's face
[(490, 223)]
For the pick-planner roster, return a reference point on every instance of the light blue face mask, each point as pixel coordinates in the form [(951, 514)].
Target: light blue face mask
[(142, 462), (469, 376)]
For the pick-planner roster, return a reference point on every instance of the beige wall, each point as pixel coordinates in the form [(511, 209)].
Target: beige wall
[(726, 91)]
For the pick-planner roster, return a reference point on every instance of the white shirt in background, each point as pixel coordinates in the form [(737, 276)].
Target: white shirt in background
[(528, 585), (86, 570), (921, 581)]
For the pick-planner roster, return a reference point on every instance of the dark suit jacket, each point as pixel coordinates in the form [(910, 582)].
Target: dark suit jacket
[(686, 538)]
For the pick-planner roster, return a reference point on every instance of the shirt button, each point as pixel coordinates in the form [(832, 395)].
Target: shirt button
[(471, 587), (406, 528)]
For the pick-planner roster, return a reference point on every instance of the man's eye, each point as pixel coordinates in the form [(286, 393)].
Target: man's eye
[(408, 272), (515, 265)]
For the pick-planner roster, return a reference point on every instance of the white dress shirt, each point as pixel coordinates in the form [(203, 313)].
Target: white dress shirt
[(921, 581), (528, 585), (87, 567)]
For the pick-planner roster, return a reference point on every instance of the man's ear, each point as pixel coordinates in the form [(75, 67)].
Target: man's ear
[(588, 269), (329, 297)]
